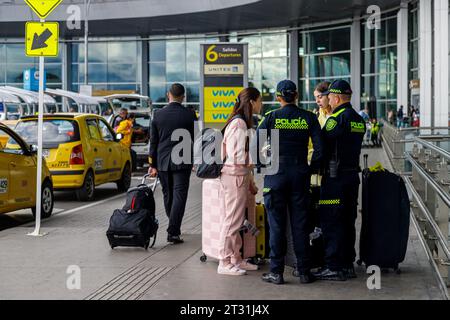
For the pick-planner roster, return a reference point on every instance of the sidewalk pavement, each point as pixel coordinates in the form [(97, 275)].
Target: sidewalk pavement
[(37, 267)]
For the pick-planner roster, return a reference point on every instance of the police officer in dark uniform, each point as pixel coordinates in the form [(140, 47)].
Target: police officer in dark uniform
[(342, 136), (286, 192)]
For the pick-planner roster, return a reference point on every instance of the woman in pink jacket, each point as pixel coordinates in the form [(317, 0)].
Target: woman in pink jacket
[(236, 181)]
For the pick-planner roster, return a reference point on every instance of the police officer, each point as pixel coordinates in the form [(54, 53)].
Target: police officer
[(342, 135), (286, 192)]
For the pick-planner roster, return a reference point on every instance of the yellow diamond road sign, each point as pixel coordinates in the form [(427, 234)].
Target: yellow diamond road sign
[(43, 7), (41, 39)]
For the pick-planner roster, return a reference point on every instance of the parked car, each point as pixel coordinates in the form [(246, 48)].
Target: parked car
[(18, 167), (82, 151)]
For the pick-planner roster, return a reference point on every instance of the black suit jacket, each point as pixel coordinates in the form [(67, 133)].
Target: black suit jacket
[(165, 121)]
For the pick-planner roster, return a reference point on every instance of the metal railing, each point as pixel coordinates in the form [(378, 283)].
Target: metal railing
[(422, 156)]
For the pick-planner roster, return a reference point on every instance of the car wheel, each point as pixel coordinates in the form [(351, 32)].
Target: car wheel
[(47, 201), (125, 181), (87, 191)]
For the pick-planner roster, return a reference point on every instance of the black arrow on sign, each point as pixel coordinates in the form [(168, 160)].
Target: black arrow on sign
[(39, 41)]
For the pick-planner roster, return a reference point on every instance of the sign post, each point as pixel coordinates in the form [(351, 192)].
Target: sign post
[(224, 70), (41, 39)]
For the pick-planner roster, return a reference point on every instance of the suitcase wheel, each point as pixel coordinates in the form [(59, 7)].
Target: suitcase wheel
[(359, 262), (203, 258), (295, 273)]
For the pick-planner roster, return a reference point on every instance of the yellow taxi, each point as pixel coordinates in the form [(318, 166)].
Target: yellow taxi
[(18, 164), (81, 150)]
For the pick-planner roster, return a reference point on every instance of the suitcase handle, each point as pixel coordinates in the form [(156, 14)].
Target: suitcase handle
[(153, 187)]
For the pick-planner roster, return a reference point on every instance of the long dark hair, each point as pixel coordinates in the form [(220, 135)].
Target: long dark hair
[(243, 106)]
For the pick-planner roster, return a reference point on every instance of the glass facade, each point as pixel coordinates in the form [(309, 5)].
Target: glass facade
[(175, 60), (112, 65), (268, 63), (379, 67), (13, 62), (324, 55)]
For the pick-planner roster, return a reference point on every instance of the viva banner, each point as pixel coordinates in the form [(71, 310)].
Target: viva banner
[(224, 75)]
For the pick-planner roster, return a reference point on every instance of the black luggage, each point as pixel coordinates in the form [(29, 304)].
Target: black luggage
[(135, 224), (385, 219), (315, 236)]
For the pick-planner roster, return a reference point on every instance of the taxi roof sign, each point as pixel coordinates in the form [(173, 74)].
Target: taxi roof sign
[(41, 39), (43, 7)]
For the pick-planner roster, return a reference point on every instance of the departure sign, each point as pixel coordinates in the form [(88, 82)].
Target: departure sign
[(224, 75)]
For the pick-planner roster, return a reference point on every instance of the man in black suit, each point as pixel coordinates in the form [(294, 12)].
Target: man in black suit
[(173, 174)]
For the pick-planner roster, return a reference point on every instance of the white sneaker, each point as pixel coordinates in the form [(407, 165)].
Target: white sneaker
[(230, 270), (245, 265)]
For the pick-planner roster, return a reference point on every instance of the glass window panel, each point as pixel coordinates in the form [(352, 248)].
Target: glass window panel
[(391, 57), (158, 93), (391, 25), (2, 74), (157, 50), (76, 53), (320, 66), (340, 39), (381, 60), (97, 52), (123, 52), (341, 64), (254, 69), (14, 72), (2, 53), (391, 86), (255, 84), (274, 69), (318, 42), (122, 73), (54, 73), (382, 86), (275, 45), (193, 60), (157, 72), (381, 34), (176, 61), (193, 92), (254, 46), (16, 53), (74, 72), (268, 90), (96, 72)]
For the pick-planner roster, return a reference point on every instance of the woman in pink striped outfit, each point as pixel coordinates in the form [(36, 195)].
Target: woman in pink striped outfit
[(236, 181)]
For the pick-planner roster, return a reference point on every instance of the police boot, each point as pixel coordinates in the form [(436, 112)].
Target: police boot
[(307, 277), (327, 274), (273, 278), (349, 272)]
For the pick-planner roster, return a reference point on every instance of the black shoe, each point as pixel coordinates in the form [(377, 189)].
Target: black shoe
[(273, 278), (307, 277), (174, 239), (327, 274), (349, 272)]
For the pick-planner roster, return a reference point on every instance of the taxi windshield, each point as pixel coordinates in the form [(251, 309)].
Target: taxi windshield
[(55, 132)]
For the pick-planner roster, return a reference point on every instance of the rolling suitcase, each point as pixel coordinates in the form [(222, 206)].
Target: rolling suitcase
[(262, 238), (385, 219), (135, 224), (212, 211)]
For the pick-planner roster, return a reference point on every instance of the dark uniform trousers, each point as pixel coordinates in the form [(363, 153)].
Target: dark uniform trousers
[(175, 186), (338, 212), (286, 196)]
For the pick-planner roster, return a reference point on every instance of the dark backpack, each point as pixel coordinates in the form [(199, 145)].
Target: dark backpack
[(141, 199), (210, 168)]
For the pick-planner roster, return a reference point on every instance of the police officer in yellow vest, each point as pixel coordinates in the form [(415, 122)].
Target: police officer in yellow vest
[(286, 192), (342, 135)]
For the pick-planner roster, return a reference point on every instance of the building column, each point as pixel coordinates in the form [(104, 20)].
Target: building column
[(402, 56), (425, 64), (355, 63), (144, 68), (66, 61), (293, 57), (441, 56)]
